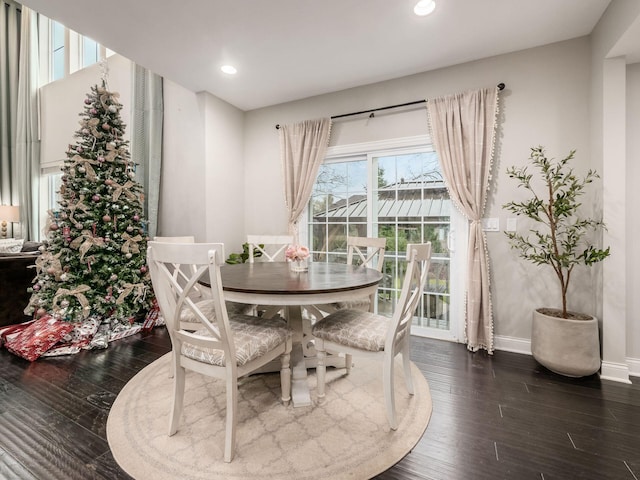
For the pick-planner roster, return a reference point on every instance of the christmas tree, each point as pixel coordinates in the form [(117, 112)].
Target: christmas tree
[(94, 262)]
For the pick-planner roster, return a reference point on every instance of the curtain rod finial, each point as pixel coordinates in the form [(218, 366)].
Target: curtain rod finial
[(278, 126), (501, 86)]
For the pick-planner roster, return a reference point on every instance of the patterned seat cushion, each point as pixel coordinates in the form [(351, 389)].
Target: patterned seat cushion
[(253, 337), (363, 304), (355, 304), (208, 309), (353, 328)]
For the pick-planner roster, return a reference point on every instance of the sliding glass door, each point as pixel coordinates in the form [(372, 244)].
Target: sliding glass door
[(398, 194)]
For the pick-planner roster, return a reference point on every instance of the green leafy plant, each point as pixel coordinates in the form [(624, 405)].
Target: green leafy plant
[(244, 256), (561, 240)]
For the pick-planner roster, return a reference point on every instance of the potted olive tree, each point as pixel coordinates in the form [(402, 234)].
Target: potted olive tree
[(563, 341)]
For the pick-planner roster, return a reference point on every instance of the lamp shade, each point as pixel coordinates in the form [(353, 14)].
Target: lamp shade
[(9, 213)]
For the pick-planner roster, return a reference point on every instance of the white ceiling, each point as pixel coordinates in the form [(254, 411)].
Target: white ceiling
[(290, 49)]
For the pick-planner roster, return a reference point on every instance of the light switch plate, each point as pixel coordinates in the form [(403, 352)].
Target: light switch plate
[(491, 224)]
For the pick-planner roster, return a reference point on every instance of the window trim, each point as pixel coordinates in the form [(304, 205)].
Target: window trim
[(357, 149)]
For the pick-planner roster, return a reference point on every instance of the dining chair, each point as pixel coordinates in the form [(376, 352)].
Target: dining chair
[(369, 335), (201, 291), (226, 346), (271, 248), (368, 252)]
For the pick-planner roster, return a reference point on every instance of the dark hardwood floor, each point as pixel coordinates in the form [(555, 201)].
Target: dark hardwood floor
[(494, 417)]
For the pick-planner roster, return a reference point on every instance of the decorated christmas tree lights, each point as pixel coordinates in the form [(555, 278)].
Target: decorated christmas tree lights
[(94, 262)]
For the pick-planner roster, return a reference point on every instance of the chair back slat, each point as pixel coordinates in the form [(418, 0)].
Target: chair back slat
[(271, 247), (418, 262)]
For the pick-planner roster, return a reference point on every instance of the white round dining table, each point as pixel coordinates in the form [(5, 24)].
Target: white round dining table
[(274, 284)]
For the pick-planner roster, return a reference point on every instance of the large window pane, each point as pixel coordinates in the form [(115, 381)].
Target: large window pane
[(90, 51), (57, 51)]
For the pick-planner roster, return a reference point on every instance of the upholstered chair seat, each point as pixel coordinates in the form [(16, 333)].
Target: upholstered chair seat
[(369, 335), (253, 337)]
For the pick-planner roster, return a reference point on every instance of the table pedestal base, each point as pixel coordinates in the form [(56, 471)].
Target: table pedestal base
[(303, 356)]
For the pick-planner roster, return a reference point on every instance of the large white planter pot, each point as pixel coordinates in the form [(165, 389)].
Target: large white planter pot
[(566, 346)]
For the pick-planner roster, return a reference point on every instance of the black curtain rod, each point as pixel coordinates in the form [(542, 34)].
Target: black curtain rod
[(417, 102)]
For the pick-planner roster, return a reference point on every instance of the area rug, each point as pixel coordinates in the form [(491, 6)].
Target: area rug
[(348, 437)]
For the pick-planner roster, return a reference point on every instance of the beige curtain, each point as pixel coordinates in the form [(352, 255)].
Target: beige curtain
[(9, 66), (302, 146), (147, 118), (28, 128), (463, 130)]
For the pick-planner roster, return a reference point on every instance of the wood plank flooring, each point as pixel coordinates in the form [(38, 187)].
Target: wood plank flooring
[(494, 417)]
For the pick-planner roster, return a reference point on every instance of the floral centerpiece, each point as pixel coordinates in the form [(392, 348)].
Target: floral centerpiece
[(297, 255)]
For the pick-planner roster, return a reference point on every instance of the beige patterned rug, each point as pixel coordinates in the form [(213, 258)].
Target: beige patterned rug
[(347, 438)]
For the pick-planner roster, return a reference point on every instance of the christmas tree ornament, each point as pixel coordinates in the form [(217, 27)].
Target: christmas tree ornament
[(113, 108), (106, 218)]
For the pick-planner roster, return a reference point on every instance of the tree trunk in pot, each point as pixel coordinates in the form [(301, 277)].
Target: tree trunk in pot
[(570, 347)]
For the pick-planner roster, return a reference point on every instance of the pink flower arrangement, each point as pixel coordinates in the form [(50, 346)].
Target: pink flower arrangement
[(295, 253)]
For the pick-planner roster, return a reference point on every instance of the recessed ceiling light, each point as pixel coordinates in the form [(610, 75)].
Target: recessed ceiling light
[(424, 7), (229, 69)]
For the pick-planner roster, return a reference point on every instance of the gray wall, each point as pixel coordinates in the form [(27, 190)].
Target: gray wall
[(546, 102)]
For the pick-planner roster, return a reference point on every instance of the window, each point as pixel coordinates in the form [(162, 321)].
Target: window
[(57, 51), (90, 52), (64, 51), (399, 194)]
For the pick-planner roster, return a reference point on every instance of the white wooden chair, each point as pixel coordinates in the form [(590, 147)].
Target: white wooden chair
[(366, 251), (366, 334), (272, 247), (200, 290), (226, 346)]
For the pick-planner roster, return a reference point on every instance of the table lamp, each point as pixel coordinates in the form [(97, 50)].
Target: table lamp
[(8, 213)]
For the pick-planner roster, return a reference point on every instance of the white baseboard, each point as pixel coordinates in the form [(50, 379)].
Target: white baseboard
[(610, 371), (512, 344), (618, 372), (634, 366)]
